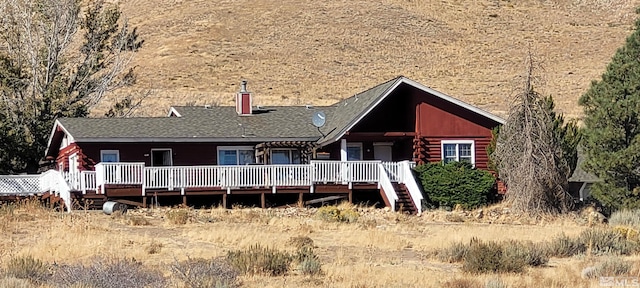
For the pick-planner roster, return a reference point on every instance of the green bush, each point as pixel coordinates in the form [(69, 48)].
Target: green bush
[(259, 260), (456, 183), (27, 267), (335, 214)]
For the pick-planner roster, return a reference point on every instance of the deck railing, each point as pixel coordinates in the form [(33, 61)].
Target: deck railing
[(119, 173), (54, 182), (87, 181), (409, 181)]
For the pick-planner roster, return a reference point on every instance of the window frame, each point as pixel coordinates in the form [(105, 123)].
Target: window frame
[(237, 149), (116, 152), (457, 143)]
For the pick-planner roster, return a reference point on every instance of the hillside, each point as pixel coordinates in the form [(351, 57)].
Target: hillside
[(317, 52)]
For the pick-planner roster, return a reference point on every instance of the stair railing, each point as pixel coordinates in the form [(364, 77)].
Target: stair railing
[(409, 181), (385, 183)]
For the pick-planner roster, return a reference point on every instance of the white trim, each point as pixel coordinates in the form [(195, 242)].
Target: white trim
[(236, 148), (425, 89), (162, 149), (343, 150), (174, 112), (473, 149), (102, 152), (355, 144), (57, 124)]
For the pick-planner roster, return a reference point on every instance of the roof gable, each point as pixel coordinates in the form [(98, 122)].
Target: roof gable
[(349, 112)]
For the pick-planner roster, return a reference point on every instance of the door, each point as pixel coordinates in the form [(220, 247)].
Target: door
[(161, 157), (382, 151)]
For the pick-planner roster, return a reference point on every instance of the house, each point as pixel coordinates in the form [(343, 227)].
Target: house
[(581, 181), (364, 144)]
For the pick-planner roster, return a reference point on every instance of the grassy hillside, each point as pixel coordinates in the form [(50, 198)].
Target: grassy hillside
[(317, 52)]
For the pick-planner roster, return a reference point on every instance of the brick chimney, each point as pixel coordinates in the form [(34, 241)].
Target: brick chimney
[(243, 100)]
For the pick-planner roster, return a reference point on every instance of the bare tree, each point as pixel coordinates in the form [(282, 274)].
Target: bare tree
[(529, 156), (57, 59)]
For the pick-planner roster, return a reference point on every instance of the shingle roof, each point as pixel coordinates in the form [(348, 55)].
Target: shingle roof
[(199, 123), (579, 175), (345, 112)]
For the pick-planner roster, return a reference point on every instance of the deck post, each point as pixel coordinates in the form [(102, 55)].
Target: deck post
[(184, 200), (301, 200), (224, 200), (144, 201), (263, 201), (350, 196)]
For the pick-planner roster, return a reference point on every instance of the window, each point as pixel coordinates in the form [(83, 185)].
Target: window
[(285, 156), (236, 155), (109, 156), (354, 151), (461, 150)]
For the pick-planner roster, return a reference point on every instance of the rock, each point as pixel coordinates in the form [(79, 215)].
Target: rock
[(479, 214)]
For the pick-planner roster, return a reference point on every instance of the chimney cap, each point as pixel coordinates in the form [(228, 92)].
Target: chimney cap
[(243, 86)]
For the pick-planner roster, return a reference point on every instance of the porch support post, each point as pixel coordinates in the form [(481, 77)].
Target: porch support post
[(263, 202), (343, 150), (301, 199), (224, 200), (184, 200), (350, 196), (144, 201)]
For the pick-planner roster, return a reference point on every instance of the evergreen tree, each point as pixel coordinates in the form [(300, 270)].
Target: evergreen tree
[(56, 61), (612, 128)]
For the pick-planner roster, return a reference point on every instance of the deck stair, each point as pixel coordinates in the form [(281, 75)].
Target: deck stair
[(50, 184), (404, 203)]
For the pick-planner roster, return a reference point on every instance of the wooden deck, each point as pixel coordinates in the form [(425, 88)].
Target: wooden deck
[(136, 184)]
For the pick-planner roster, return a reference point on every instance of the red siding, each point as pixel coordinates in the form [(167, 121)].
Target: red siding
[(73, 148)]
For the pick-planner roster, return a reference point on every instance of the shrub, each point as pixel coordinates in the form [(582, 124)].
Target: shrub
[(137, 221), (613, 266), (12, 282), (454, 253), (178, 216), (335, 214), (462, 283), (118, 273), (533, 254), (300, 242), (606, 241), (489, 257), (564, 246), (610, 267), (308, 261), (629, 218), (456, 183), (27, 267), (495, 283), (259, 260), (153, 247), (201, 273)]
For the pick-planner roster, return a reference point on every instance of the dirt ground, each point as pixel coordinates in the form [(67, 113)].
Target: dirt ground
[(381, 249)]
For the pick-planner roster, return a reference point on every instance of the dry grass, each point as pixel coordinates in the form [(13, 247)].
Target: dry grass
[(394, 252), (317, 52)]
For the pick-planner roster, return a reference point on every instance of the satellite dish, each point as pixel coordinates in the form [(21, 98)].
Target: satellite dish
[(319, 119)]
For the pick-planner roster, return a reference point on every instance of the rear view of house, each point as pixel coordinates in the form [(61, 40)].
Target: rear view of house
[(363, 145)]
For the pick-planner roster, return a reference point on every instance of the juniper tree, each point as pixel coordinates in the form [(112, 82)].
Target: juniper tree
[(57, 59), (612, 128), (530, 152)]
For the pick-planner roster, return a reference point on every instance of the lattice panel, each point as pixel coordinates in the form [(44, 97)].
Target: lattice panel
[(19, 185)]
